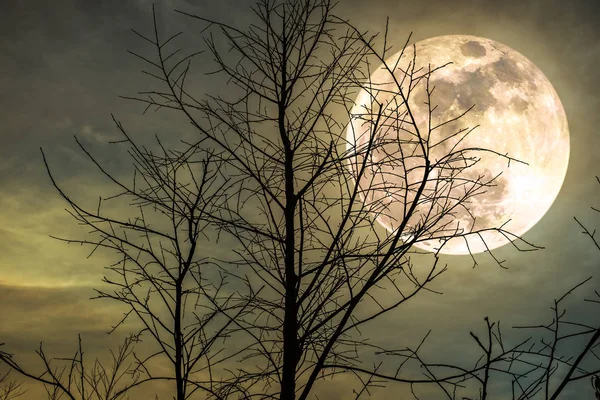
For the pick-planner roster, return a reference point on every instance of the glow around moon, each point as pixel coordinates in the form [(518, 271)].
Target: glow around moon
[(517, 112)]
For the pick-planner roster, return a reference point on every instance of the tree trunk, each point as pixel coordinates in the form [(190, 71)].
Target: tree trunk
[(179, 381), (290, 322)]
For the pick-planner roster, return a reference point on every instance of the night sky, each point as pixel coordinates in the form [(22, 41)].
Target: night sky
[(63, 65)]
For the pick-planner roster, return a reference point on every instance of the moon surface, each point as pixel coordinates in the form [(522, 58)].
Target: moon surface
[(516, 112)]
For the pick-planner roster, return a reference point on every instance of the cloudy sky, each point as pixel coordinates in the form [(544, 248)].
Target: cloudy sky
[(64, 63)]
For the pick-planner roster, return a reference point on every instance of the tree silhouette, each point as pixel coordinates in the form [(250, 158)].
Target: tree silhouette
[(158, 275), (69, 377), (303, 220), (541, 366), (9, 389)]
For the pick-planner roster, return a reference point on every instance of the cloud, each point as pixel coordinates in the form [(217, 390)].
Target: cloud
[(92, 134)]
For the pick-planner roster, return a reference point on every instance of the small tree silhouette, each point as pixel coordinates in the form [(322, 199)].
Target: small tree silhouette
[(70, 377), (159, 275), (9, 389), (539, 367)]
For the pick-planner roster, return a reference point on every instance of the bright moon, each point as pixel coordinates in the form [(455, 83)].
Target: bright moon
[(517, 112)]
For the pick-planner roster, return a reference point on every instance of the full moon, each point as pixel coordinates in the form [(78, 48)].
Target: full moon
[(515, 112)]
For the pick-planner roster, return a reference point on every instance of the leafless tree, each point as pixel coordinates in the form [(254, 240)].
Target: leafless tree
[(558, 353), (10, 389), (69, 377), (538, 367), (159, 275), (586, 231), (305, 183)]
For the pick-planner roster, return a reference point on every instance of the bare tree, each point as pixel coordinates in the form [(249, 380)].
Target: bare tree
[(10, 389), (305, 183), (538, 367), (586, 231), (159, 275), (558, 353), (70, 378)]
